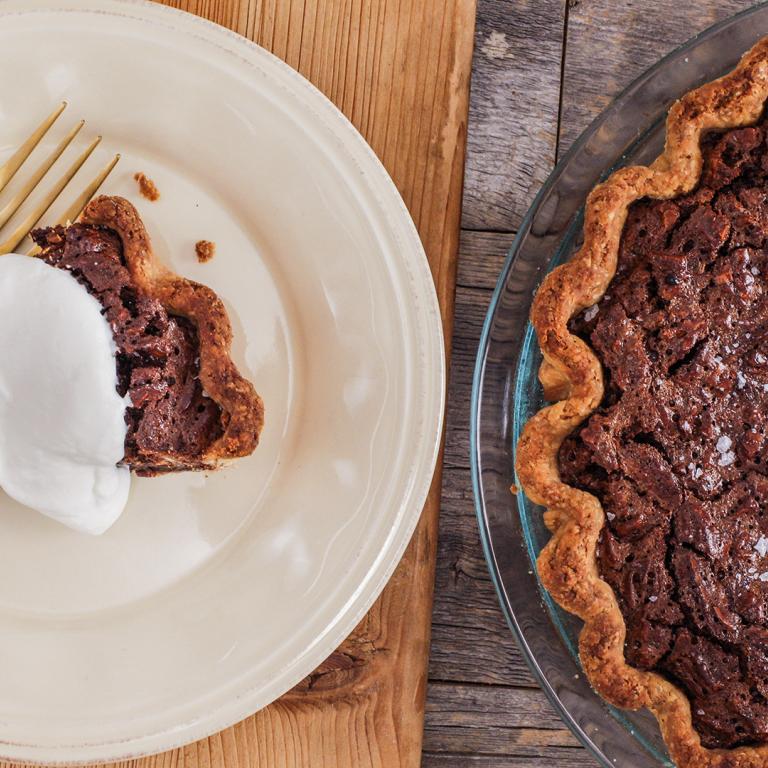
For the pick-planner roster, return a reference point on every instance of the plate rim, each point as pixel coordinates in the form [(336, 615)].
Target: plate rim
[(412, 499)]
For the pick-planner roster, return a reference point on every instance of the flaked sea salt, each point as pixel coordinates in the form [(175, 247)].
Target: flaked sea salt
[(652, 599), (591, 312), (741, 380), (754, 270), (610, 515), (759, 357), (761, 546), (724, 443), (763, 576), (748, 279), (726, 459)]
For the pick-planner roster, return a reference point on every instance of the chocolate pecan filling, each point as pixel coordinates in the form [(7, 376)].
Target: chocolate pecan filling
[(157, 354), (678, 450)]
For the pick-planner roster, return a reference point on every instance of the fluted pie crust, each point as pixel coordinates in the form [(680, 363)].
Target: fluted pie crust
[(571, 375), (241, 407)]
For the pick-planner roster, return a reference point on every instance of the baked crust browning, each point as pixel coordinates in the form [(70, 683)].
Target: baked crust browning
[(571, 375), (242, 408)]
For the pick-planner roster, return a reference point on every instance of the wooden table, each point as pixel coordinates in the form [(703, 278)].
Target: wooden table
[(399, 70), (542, 70)]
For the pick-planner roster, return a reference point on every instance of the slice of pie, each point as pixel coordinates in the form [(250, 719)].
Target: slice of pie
[(653, 462), (190, 407)]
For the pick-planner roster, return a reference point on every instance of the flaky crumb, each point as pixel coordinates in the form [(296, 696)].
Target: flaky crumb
[(147, 187), (205, 250)]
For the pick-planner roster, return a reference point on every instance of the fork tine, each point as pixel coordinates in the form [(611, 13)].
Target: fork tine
[(16, 160), (16, 201), (29, 222), (73, 212)]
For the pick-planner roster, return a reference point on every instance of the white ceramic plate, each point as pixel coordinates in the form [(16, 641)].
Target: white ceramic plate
[(214, 595)]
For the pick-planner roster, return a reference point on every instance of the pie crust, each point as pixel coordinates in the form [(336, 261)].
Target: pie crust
[(242, 409), (571, 376)]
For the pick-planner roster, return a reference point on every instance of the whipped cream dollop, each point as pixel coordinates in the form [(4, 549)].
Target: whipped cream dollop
[(62, 426)]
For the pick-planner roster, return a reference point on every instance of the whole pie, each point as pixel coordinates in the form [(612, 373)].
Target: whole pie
[(652, 462), (190, 408)]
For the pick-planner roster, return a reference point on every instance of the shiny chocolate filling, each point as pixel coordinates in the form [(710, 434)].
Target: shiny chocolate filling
[(677, 452), (157, 353)]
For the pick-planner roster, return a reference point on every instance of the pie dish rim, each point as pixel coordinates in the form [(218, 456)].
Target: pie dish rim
[(571, 375)]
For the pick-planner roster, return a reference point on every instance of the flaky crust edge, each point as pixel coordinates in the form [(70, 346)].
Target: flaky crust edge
[(219, 376), (571, 374)]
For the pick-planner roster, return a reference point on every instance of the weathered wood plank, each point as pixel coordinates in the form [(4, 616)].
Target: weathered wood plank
[(471, 641), (513, 724), (513, 109), (463, 566), (479, 652), (498, 740), (481, 257), (568, 757), (471, 309), (473, 706), (471, 306), (482, 727), (610, 43)]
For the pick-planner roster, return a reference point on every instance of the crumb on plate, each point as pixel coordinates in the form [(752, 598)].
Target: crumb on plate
[(205, 250), (147, 187)]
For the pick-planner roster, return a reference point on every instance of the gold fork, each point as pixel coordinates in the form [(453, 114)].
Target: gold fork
[(8, 171)]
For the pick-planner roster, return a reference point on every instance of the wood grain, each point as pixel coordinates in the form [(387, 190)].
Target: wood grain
[(470, 639), (481, 257), (399, 69), (483, 708), (573, 757), (466, 706), (513, 109), (610, 43), (520, 724), (400, 72), (480, 688)]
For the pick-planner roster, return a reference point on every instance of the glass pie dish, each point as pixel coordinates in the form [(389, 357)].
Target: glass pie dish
[(506, 391)]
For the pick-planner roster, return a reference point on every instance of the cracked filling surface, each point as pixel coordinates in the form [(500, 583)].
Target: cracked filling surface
[(677, 452), (157, 354)]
